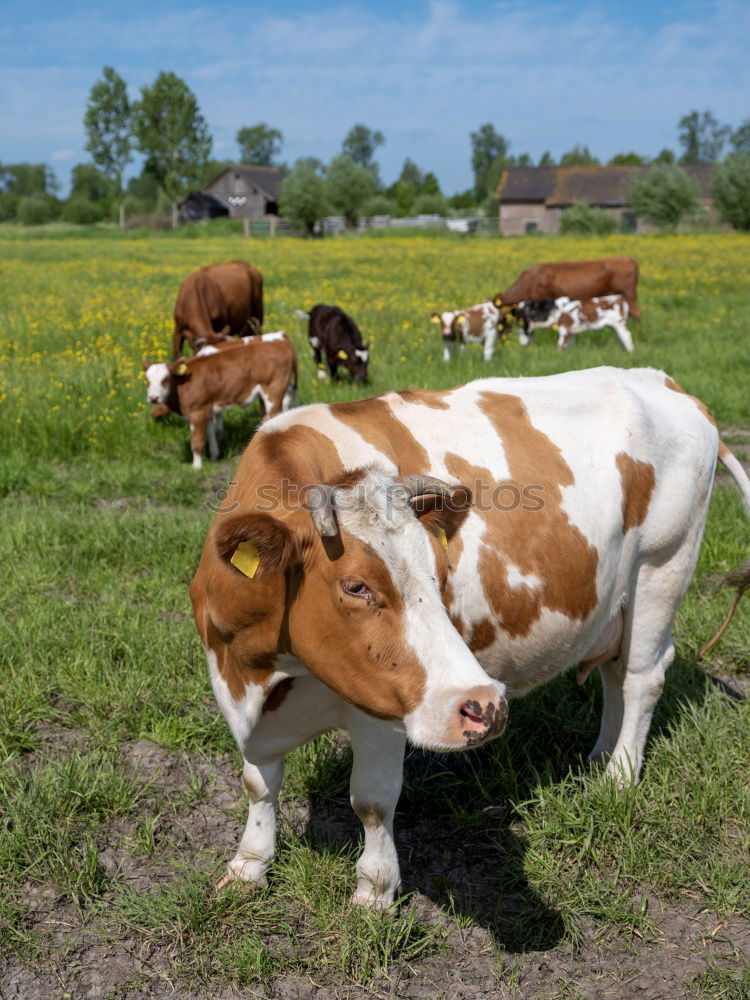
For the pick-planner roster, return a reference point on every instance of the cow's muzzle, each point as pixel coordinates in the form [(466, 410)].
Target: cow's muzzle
[(482, 717)]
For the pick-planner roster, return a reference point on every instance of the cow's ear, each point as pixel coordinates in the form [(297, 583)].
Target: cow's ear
[(443, 515), (145, 365), (435, 318), (498, 300), (255, 545)]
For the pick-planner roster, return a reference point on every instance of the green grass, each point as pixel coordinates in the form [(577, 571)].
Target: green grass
[(102, 524)]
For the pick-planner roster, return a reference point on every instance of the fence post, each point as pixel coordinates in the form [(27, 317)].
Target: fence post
[(246, 226), (273, 225)]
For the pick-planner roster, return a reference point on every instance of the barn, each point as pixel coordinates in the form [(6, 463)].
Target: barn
[(244, 192), (533, 199)]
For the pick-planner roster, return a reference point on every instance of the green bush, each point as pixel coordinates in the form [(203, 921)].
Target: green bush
[(587, 220), (731, 190), (430, 204), (82, 211), (379, 204), (35, 210)]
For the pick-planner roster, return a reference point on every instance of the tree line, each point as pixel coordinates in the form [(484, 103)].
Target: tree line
[(166, 127)]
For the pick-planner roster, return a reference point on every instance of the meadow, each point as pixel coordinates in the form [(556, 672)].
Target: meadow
[(526, 873)]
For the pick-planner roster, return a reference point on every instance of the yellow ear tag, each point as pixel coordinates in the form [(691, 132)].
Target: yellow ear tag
[(434, 319), (246, 559), (343, 355), (182, 370), (441, 536)]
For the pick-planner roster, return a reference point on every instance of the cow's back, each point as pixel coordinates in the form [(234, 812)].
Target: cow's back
[(577, 279)]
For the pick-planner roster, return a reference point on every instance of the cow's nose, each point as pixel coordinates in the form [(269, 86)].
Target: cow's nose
[(482, 716)]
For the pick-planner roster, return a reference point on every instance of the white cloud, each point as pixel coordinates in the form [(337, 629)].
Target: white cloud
[(60, 155), (547, 75)]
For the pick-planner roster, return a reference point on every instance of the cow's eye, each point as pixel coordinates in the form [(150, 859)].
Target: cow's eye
[(355, 588)]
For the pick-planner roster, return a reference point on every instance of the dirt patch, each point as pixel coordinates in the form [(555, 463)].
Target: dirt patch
[(193, 808)]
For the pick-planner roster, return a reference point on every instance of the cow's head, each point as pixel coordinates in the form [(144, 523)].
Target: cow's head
[(355, 360), (452, 323), (160, 377), (352, 581)]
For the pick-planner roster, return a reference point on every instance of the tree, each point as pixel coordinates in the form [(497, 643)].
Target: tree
[(730, 183), (411, 174), (360, 144), (489, 157), (348, 186), (664, 195), (626, 160), (172, 134), (741, 138), (26, 180), (582, 219), (430, 204), (547, 159), (665, 156), (108, 123), (303, 196), (87, 181), (259, 144), (701, 137), (578, 156)]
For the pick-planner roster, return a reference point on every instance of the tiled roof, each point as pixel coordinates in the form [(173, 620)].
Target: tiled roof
[(597, 185)]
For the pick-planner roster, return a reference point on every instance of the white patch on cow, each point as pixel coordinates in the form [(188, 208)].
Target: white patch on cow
[(363, 355), (207, 351), (269, 338), (157, 377), (517, 579), (373, 512), (315, 342), (253, 395)]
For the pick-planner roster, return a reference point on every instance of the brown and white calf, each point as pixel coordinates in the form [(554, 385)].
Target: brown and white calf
[(223, 375), (400, 567), (475, 325), (573, 316)]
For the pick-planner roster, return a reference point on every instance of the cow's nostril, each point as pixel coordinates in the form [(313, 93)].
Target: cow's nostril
[(472, 716)]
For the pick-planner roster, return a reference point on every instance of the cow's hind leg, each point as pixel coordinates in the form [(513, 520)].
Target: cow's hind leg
[(611, 724), (647, 652), (623, 335), (377, 767)]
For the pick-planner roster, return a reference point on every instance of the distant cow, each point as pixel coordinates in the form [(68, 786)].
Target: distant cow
[(334, 334), (572, 316), (202, 387), (216, 302), (475, 325), (578, 279)]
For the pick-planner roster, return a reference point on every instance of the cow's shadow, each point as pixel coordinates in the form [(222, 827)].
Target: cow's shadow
[(460, 842)]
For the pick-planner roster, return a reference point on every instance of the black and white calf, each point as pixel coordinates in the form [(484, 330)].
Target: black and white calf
[(334, 334), (475, 325), (573, 316)]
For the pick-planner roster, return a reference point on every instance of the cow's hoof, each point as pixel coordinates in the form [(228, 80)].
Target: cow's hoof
[(239, 870), (373, 900)]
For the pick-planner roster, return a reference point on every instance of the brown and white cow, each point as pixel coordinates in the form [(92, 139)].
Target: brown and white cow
[(216, 302), (578, 279), (227, 374), (346, 588), (475, 325), (573, 316)]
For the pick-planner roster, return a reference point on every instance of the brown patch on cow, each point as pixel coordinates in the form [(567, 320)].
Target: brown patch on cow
[(671, 384), (376, 423), (638, 480), (724, 452), (371, 816), (291, 458), (476, 321), (590, 309), (278, 694), (434, 399), (539, 540), (482, 635), (579, 279)]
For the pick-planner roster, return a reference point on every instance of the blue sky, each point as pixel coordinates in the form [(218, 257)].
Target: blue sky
[(615, 76)]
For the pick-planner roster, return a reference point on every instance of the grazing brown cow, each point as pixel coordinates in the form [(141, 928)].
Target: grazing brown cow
[(202, 387), (578, 279), (216, 302)]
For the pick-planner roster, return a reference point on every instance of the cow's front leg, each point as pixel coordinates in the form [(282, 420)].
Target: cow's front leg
[(257, 847), (623, 335), (199, 421), (212, 430), (489, 342), (377, 771)]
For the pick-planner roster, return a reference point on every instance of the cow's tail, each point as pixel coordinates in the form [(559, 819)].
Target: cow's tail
[(738, 578), (301, 314), (291, 396)]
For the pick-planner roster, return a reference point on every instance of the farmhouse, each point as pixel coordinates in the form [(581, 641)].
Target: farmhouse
[(533, 199), (241, 192)]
